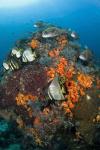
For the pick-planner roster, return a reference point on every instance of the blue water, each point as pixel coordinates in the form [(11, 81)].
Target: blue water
[(82, 16)]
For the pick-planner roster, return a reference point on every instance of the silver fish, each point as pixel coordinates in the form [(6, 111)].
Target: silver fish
[(54, 90), (40, 24), (16, 52), (74, 35), (52, 32), (28, 55), (11, 64), (86, 55)]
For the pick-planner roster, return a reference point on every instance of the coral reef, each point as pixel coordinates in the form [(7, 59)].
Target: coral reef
[(85, 80), (52, 102), (34, 44), (45, 60), (22, 99)]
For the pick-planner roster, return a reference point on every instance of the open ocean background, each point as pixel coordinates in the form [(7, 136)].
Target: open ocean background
[(83, 16)]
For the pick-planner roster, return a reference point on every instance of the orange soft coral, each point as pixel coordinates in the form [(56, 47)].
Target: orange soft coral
[(37, 121), (81, 90), (34, 44), (70, 72), (60, 69), (61, 66), (85, 80), (70, 105), (54, 53), (62, 41), (63, 61), (66, 108), (98, 83), (51, 73), (73, 91), (22, 99)]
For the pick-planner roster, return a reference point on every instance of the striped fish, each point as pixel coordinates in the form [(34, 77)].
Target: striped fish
[(54, 90)]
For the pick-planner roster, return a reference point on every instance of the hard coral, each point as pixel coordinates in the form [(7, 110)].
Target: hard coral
[(36, 135), (46, 125), (34, 80), (45, 60), (62, 40)]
